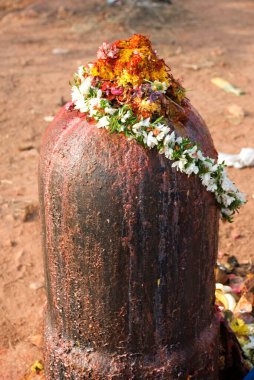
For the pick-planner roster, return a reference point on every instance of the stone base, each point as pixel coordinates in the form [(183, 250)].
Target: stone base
[(65, 360)]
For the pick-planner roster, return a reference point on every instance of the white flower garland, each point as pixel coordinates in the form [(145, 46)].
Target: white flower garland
[(187, 157)]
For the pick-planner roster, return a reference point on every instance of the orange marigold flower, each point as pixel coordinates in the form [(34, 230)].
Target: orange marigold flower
[(134, 62)]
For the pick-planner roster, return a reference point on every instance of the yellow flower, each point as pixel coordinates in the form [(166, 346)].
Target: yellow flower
[(126, 78), (239, 327), (150, 106), (37, 366)]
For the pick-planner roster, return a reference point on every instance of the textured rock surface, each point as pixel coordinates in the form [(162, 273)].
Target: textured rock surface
[(130, 247)]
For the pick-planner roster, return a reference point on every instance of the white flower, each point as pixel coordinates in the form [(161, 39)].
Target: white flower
[(99, 94), (226, 184), (191, 168), (208, 163), (168, 152), (110, 110), (212, 186), (88, 68), (125, 117), (192, 152), (103, 122), (81, 70), (200, 155), (226, 199), (94, 103), (179, 140), (159, 86), (163, 131), (208, 182), (149, 139), (122, 128), (214, 168), (82, 105), (250, 345), (226, 211), (240, 196), (146, 122), (162, 128), (169, 139), (85, 86), (138, 126), (160, 136), (75, 94), (205, 178), (180, 164), (79, 100)]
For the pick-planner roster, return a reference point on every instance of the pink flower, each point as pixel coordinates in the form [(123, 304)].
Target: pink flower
[(116, 91), (107, 51)]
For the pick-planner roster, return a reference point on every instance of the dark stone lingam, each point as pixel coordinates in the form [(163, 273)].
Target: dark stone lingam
[(130, 247)]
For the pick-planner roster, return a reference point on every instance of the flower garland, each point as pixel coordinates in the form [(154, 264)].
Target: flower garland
[(130, 90)]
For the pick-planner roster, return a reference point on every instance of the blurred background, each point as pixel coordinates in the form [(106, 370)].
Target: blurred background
[(41, 45)]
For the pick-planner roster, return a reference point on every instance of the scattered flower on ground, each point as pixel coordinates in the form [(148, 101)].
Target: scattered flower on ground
[(234, 297)]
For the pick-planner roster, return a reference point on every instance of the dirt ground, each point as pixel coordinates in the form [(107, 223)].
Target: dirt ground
[(41, 45)]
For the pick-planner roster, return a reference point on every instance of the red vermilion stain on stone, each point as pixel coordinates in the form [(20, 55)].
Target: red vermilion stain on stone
[(130, 247)]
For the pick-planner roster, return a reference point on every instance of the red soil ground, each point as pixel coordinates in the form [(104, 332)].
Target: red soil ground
[(218, 39)]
